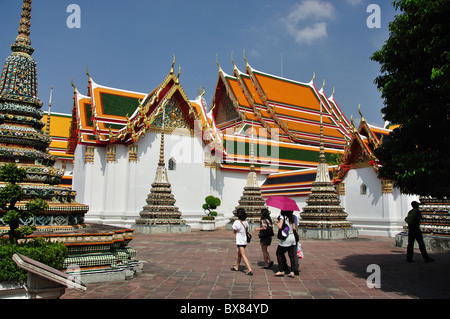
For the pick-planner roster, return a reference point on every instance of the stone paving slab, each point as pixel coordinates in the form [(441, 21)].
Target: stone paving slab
[(197, 265)]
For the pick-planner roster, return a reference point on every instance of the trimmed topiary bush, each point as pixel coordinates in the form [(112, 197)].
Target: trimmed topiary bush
[(211, 203)]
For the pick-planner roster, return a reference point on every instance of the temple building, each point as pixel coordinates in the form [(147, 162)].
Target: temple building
[(59, 135), (115, 137)]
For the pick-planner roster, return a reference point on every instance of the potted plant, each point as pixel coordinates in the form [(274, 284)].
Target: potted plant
[(208, 222)]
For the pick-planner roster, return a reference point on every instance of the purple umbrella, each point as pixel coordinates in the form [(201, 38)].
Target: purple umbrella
[(283, 203)]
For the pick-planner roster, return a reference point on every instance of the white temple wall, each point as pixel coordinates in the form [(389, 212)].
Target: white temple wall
[(117, 191), (230, 185), (79, 180), (373, 212)]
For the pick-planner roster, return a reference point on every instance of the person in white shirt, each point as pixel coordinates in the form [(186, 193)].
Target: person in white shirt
[(240, 227), (287, 244)]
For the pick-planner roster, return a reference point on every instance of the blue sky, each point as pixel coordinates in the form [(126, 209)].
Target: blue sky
[(130, 45)]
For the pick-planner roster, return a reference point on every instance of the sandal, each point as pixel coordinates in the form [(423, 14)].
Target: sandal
[(279, 274), (291, 275), (233, 269), (250, 273)]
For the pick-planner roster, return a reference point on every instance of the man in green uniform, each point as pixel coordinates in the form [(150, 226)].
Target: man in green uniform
[(414, 233)]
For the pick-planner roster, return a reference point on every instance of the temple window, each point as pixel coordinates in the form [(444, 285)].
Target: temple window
[(172, 164), (363, 189)]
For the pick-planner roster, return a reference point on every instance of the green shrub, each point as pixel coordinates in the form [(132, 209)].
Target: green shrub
[(50, 254), (211, 203)]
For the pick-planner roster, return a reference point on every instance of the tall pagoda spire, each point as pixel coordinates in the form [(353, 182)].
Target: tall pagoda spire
[(23, 42), (160, 214), (24, 142), (324, 217), (22, 138), (323, 175), (19, 77), (251, 200)]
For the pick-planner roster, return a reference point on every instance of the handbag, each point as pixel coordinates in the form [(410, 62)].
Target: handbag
[(249, 236), (268, 232), (280, 233)]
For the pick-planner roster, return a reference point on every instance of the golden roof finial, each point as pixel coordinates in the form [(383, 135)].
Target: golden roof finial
[(201, 92), (217, 62), (87, 73), (334, 90), (177, 80), (74, 87), (246, 62), (359, 111), (173, 65), (314, 76), (323, 85), (353, 124), (232, 61)]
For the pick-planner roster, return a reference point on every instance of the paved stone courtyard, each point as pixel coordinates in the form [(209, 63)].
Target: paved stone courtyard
[(197, 265)]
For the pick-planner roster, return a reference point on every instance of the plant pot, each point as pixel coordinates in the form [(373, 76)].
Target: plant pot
[(207, 225)]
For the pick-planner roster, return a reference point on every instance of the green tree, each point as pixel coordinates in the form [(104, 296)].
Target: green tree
[(10, 195), (415, 86)]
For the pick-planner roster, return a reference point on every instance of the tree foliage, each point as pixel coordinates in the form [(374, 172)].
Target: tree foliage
[(415, 86), (10, 195)]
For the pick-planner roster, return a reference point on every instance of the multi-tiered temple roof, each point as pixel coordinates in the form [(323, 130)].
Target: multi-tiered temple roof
[(286, 114), (114, 116)]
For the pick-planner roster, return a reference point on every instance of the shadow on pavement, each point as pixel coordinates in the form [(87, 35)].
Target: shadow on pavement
[(418, 279)]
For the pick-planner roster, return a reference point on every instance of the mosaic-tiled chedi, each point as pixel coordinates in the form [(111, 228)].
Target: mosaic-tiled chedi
[(251, 200), (323, 210), (435, 216), (160, 209), (92, 248), (22, 139)]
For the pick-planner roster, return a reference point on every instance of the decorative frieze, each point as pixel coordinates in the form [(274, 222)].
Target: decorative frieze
[(386, 186), (132, 153), (89, 155), (111, 154), (340, 189)]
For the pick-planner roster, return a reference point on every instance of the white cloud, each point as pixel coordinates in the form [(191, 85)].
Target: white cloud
[(313, 12), (311, 33), (355, 2)]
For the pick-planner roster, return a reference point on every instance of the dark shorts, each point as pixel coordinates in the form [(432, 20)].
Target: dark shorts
[(241, 246), (266, 241)]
